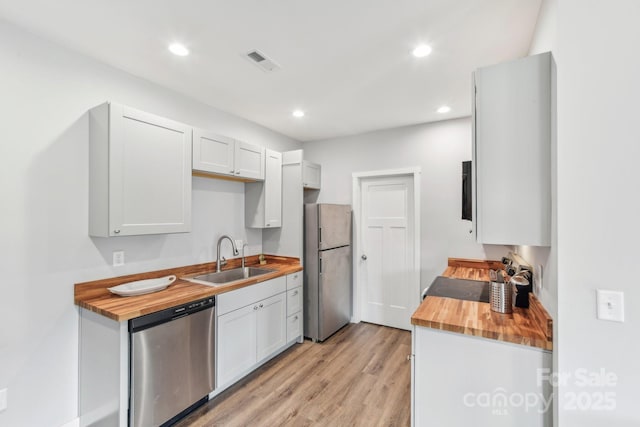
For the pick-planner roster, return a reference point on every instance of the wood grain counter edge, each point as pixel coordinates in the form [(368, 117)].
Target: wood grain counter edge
[(95, 296), (531, 327)]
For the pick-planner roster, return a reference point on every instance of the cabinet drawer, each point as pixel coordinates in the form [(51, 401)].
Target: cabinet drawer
[(294, 280), (233, 300), (294, 326), (294, 301)]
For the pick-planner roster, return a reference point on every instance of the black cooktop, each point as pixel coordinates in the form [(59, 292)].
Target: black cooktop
[(470, 290)]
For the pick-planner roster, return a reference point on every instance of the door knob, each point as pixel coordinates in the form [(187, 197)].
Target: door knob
[(364, 257)]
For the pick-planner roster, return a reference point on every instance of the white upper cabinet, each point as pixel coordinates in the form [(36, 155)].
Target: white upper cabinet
[(249, 160), (213, 153), (139, 173), (217, 154), (310, 175), (513, 123), (263, 200)]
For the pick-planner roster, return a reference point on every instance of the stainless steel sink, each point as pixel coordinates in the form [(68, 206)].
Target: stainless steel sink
[(227, 276)]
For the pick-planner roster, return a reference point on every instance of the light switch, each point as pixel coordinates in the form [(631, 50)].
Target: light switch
[(610, 305)]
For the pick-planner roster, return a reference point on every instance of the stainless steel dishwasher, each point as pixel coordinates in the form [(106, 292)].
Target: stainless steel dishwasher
[(172, 362)]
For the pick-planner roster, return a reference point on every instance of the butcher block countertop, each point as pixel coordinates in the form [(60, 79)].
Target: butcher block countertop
[(96, 297), (531, 327)]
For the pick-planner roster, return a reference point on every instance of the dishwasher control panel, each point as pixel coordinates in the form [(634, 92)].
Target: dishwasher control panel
[(149, 320)]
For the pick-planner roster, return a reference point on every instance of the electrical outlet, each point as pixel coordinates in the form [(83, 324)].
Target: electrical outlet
[(3, 399), (610, 305), (118, 258)]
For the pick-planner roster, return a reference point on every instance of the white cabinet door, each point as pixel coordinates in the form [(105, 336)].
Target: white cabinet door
[(263, 200), (140, 173), (236, 343), (213, 153), (294, 327), (512, 152), (294, 301), (273, 189), (221, 155), (249, 160), (311, 175), (271, 325), (461, 380)]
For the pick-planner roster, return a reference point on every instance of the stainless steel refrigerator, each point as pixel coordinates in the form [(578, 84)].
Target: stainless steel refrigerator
[(327, 269)]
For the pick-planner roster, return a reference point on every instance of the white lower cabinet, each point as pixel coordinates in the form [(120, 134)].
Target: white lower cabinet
[(236, 343), (294, 301), (271, 327), (461, 380), (294, 327), (294, 307), (253, 326)]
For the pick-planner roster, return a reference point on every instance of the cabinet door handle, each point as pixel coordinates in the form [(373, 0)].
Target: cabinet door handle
[(261, 305), (295, 318), (364, 257), (255, 307), (237, 172), (116, 231), (295, 293)]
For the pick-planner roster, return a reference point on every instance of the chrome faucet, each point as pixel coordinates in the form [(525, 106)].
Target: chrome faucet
[(243, 246), (220, 262)]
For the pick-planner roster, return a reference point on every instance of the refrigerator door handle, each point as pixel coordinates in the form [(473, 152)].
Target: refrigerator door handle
[(320, 265), (319, 236)]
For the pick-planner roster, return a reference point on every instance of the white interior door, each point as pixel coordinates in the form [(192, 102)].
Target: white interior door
[(386, 263)]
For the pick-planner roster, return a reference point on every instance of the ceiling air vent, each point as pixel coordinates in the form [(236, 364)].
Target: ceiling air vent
[(260, 59)]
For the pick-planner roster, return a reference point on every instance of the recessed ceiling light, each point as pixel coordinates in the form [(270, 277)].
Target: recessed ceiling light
[(421, 51), (444, 109), (297, 113), (178, 49)]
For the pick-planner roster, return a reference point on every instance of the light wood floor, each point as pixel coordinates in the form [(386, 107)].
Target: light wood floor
[(358, 377)]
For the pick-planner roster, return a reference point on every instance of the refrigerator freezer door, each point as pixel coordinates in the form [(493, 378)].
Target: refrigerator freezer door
[(334, 222), (334, 293)]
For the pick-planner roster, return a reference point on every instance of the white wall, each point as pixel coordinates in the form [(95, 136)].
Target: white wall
[(545, 35), (598, 201), (439, 149), (46, 91)]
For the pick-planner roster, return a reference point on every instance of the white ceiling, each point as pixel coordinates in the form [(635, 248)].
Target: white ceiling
[(347, 63)]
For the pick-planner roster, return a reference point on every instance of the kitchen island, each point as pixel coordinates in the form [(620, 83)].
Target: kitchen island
[(473, 366)]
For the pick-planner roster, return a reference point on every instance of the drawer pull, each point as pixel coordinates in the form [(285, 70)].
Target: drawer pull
[(261, 305), (255, 307), (295, 318), (295, 293)]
